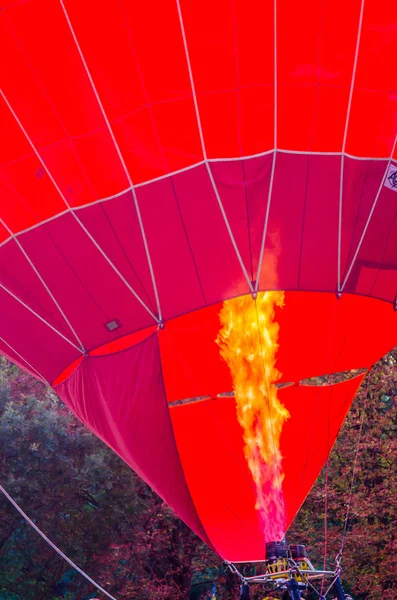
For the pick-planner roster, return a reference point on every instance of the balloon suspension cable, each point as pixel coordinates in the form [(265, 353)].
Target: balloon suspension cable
[(326, 495), (53, 546)]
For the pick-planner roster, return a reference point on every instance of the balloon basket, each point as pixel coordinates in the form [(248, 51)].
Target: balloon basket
[(287, 573)]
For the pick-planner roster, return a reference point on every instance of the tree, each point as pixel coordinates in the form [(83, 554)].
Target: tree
[(87, 501), (370, 553), (113, 526)]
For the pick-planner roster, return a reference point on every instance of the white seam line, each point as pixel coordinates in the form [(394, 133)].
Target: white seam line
[(44, 284), (190, 167), (275, 136), (204, 151), (242, 157), (53, 546), (342, 165), (81, 224), (370, 215), (2, 286), (121, 158), (42, 378)]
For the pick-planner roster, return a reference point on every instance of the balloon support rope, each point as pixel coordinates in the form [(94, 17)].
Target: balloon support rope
[(53, 546)]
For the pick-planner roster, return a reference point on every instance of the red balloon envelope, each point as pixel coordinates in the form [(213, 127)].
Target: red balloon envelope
[(159, 158)]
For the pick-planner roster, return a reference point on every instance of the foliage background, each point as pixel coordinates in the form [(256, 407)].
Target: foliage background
[(114, 527)]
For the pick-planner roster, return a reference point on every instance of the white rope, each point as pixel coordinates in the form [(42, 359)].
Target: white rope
[(22, 249), (121, 158), (275, 136), (53, 546), (342, 164), (23, 359), (204, 150), (54, 329), (80, 223)]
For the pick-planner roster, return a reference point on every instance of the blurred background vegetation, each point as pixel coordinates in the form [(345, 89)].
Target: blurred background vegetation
[(114, 527)]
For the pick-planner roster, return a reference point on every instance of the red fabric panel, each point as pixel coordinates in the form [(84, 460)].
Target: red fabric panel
[(28, 194), (190, 358), (231, 53), (66, 373), (316, 43), (45, 82), (121, 398), (210, 445), (142, 78), (151, 109), (323, 335), (378, 48)]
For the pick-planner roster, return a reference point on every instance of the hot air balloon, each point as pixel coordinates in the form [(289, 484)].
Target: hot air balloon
[(159, 160)]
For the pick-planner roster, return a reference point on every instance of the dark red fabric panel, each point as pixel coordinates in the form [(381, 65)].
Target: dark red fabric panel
[(33, 339), (88, 289), (173, 256), (121, 398), (319, 239), (361, 183), (18, 276), (243, 186), (280, 268), (216, 261), (374, 271), (210, 444), (6, 351), (115, 226)]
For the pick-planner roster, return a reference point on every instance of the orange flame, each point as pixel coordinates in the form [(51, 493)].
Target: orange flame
[(249, 342)]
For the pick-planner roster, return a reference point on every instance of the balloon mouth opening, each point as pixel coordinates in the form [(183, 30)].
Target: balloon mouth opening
[(317, 381)]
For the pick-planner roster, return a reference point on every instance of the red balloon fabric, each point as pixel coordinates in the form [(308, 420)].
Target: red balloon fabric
[(160, 158)]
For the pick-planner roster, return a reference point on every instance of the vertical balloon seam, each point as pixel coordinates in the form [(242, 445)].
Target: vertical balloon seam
[(204, 151), (121, 158)]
